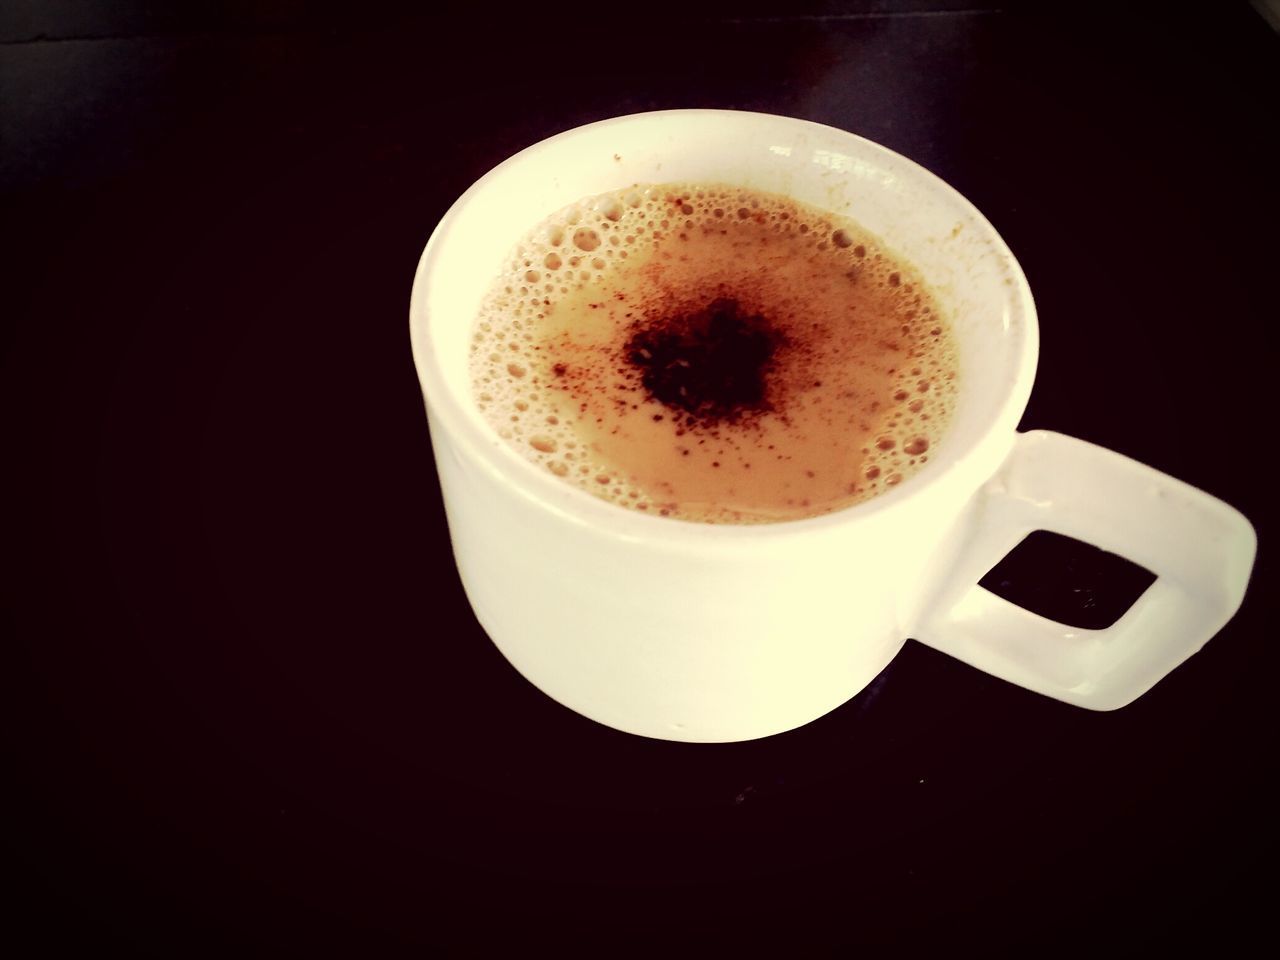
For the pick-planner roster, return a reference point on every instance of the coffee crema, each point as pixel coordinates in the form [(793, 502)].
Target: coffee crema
[(714, 354)]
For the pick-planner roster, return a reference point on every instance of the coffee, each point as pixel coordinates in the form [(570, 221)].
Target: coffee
[(714, 354)]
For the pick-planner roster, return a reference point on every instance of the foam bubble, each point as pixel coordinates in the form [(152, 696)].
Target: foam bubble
[(586, 239)]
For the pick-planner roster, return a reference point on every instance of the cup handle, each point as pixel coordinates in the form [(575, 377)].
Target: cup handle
[(1200, 550)]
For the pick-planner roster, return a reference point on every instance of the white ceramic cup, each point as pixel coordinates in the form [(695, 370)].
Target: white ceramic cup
[(699, 632)]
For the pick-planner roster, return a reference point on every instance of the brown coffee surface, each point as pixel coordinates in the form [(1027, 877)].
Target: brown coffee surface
[(714, 354)]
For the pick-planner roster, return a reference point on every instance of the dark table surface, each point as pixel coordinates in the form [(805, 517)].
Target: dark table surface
[(250, 710)]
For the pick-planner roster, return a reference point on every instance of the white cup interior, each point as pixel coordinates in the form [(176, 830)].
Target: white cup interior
[(977, 282)]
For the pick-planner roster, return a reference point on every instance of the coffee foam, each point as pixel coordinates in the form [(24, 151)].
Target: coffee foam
[(552, 374)]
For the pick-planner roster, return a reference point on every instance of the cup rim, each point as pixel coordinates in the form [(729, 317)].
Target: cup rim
[(550, 493)]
